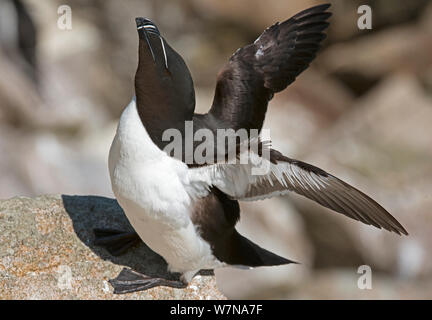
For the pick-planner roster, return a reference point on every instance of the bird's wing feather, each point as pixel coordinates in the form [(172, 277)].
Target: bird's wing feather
[(257, 71), (285, 175)]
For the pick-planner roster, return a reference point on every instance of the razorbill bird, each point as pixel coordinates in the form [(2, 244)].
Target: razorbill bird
[(187, 212)]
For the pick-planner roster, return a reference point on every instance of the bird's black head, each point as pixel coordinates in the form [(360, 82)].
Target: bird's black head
[(163, 83)]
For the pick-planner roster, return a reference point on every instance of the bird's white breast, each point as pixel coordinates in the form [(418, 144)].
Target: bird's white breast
[(151, 187)]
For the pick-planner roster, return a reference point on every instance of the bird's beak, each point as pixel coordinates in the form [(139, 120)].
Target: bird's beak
[(146, 27)]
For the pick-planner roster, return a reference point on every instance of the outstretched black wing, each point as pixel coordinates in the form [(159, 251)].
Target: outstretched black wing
[(285, 175), (257, 71)]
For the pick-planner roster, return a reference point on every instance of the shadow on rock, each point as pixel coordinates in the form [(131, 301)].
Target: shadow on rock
[(90, 212)]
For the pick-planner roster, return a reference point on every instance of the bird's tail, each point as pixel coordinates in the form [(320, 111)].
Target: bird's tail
[(247, 253)]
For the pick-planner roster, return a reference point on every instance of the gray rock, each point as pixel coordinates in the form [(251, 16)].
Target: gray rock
[(383, 148), (342, 283), (47, 252), (402, 48)]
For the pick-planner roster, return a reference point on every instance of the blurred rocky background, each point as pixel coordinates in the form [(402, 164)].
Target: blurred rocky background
[(362, 111)]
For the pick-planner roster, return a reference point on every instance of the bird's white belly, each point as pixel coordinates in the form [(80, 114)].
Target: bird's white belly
[(150, 186)]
